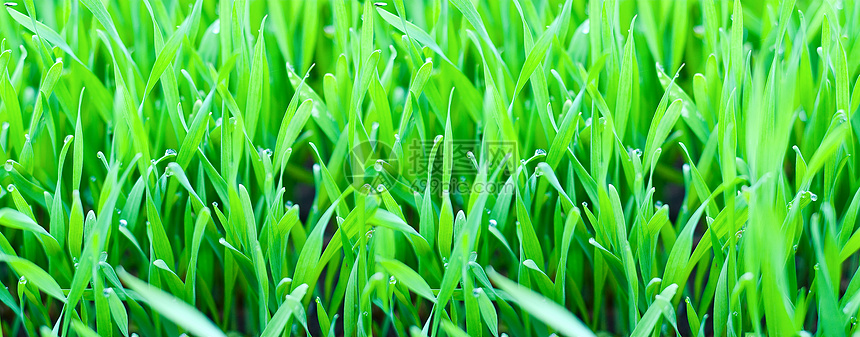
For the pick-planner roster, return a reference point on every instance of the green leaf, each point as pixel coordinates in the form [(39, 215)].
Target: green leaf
[(409, 277), (32, 273), (541, 307), (171, 307)]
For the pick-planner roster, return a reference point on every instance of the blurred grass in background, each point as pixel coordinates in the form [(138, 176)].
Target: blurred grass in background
[(438, 168)]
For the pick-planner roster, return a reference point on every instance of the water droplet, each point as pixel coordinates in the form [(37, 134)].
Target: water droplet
[(118, 211), (378, 165), (8, 165), (68, 138), (637, 152), (812, 196), (380, 188), (584, 204), (493, 223), (214, 204), (22, 280), (289, 203), (437, 139), (477, 292), (27, 137), (10, 188), (169, 152), (540, 152), (123, 223), (267, 152), (392, 280), (107, 292), (10, 4), (470, 155)]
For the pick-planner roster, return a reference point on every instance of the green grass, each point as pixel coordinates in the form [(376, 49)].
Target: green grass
[(429, 168)]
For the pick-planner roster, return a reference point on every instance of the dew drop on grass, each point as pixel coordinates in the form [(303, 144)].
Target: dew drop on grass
[(378, 165), (437, 139), (493, 223), (10, 188), (289, 204), (169, 152), (10, 4), (477, 292), (123, 223), (392, 280), (540, 152), (8, 165), (380, 188), (68, 138), (107, 292)]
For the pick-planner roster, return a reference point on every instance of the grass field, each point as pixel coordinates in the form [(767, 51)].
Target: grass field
[(429, 168)]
